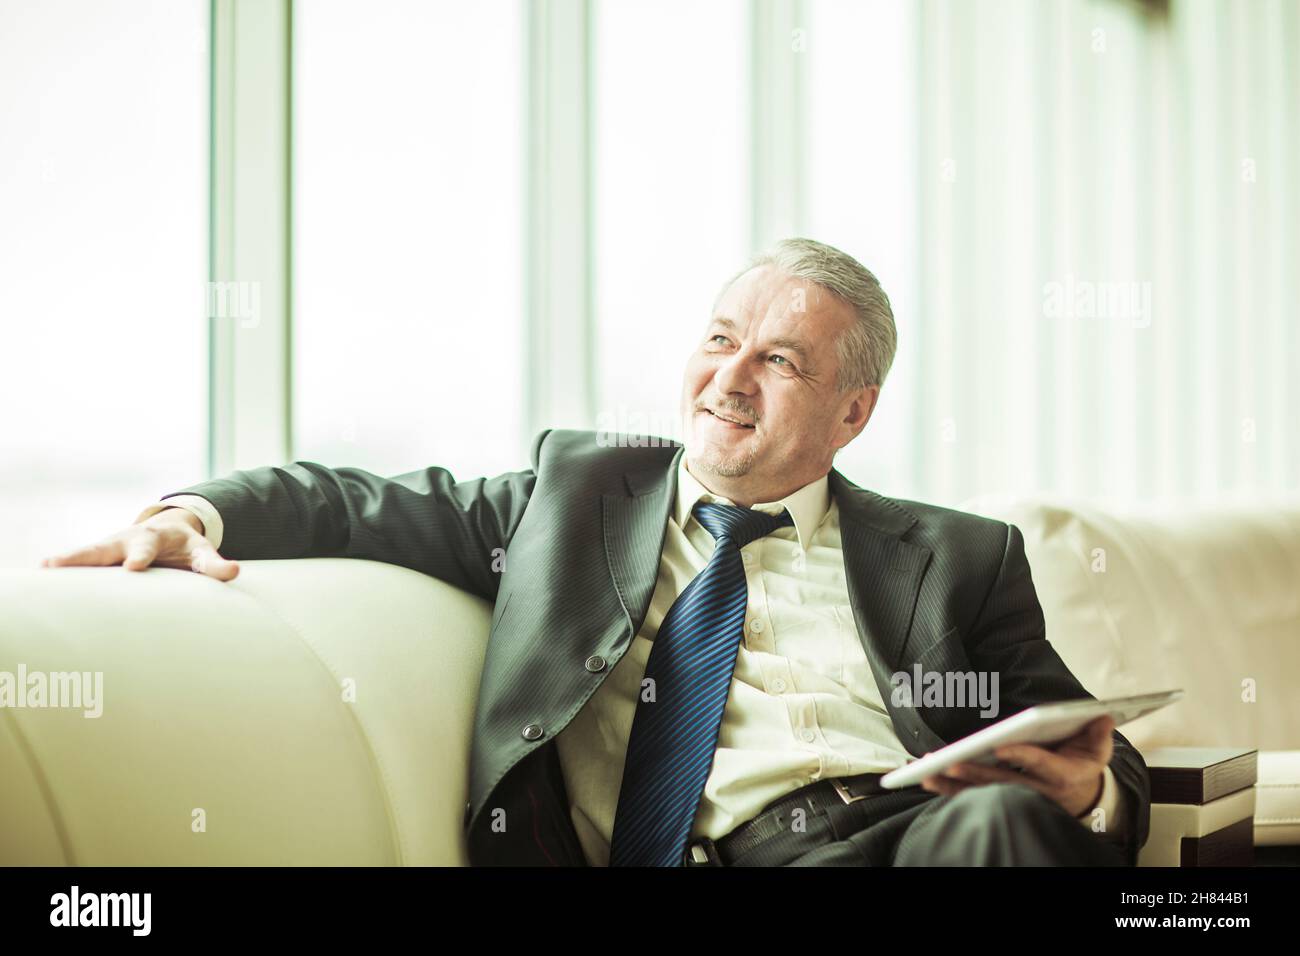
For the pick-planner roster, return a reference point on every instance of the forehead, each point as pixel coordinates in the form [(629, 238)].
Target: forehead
[(767, 302)]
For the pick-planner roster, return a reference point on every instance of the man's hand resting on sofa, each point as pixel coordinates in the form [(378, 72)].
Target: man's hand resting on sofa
[(172, 538)]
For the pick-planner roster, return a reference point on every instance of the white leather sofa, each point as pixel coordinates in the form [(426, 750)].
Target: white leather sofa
[(318, 711)]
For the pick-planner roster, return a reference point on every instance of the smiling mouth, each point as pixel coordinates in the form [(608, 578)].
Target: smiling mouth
[(730, 421)]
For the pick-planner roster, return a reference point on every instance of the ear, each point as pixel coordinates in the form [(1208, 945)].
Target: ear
[(856, 409)]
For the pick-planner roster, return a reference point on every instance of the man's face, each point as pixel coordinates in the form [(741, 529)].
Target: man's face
[(762, 414)]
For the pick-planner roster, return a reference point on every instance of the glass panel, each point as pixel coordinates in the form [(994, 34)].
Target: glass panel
[(672, 195), (408, 284), (861, 189), (103, 260)]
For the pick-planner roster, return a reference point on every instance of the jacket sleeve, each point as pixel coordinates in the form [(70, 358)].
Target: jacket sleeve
[(424, 520), (1008, 638)]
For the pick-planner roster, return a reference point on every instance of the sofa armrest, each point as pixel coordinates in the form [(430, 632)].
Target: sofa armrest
[(312, 712)]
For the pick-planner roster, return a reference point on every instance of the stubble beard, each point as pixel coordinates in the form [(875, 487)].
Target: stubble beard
[(712, 460), (715, 462)]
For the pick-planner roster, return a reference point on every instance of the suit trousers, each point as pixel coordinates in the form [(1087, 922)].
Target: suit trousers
[(996, 824)]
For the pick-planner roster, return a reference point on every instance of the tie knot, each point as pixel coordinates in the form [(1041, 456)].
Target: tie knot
[(739, 526)]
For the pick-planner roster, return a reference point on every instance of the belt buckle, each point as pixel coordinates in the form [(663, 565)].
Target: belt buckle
[(843, 791), (702, 852)]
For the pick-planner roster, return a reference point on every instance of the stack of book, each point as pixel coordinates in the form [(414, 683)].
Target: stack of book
[(1209, 817)]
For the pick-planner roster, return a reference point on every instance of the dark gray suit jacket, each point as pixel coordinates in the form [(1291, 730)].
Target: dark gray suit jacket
[(581, 532)]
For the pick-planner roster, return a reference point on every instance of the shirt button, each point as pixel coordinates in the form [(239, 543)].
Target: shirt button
[(778, 685), (595, 663), (747, 557), (807, 735), (532, 731), (756, 626)]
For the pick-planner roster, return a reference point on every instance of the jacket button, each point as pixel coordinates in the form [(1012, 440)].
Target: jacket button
[(595, 663), (532, 731)]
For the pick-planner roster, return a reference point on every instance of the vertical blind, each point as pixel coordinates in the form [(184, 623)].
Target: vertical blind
[(1109, 233)]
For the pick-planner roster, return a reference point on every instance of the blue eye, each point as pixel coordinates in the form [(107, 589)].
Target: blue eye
[(783, 359)]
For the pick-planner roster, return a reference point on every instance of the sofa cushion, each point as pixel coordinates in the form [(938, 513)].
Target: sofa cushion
[(1277, 799)]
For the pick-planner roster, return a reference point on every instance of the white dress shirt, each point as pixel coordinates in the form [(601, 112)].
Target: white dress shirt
[(803, 704)]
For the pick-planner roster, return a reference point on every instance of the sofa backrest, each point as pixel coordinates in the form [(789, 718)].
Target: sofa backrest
[(1203, 599)]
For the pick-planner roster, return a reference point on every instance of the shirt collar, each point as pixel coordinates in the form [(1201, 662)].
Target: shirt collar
[(807, 506)]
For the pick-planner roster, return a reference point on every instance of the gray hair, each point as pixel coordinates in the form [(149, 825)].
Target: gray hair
[(866, 351)]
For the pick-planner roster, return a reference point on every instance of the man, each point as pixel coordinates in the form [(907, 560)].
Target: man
[(701, 655)]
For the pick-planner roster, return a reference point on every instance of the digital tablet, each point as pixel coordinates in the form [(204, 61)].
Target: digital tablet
[(1042, 724)]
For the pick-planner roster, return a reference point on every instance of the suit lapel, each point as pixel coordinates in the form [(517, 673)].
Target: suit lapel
[(882, 570), (883, 573), (635, 522)]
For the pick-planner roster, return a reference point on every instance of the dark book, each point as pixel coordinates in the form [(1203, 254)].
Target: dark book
[(1198, 775)]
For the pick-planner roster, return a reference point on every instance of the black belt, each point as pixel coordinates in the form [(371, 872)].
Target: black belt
[(775, 818)]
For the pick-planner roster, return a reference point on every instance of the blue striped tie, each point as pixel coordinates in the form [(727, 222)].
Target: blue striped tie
[(674, 736)]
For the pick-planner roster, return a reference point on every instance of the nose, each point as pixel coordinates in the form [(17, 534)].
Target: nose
[(734, 375)]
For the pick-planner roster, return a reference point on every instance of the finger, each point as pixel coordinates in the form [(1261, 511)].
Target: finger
[(1043, 764), (942, 778), (1103, 744), (975, 773), (944, 786), (141, 550), (1080, 739), (1103, 728), (1093, 742), (97, 555), (205, 560), (1092, 729)]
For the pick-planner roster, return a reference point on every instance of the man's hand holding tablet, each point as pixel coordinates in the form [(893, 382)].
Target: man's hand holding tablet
[(1060, 749), (1071, 773)]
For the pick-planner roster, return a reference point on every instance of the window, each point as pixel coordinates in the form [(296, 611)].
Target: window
[(671, 195), (408, 228), (861, 181), (103, 262)]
